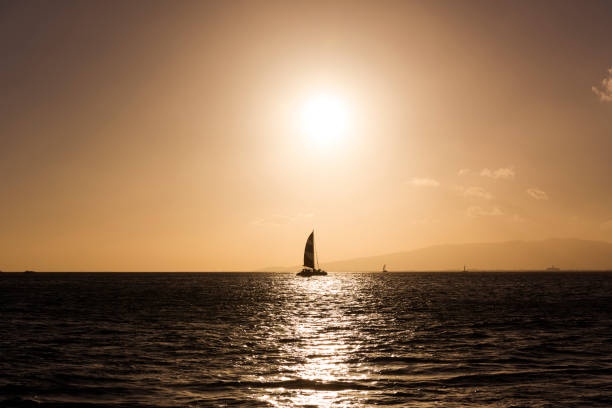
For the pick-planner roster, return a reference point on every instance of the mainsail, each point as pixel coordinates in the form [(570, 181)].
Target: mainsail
[(309, 252)]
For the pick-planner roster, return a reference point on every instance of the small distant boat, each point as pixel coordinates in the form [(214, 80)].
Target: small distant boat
[(384, 268), (553, 268), (309, 260), (28, 271)]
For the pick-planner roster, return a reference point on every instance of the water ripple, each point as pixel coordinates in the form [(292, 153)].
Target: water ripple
[(345, 340)]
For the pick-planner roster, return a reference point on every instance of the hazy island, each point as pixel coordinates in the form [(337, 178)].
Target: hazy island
[(550, 254)]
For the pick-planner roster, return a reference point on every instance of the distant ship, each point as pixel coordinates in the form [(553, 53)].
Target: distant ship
[(553, 269), (384, 269), (28, 271), (309, 260)]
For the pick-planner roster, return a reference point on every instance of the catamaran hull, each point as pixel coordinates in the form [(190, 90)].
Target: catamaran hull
[(311, 272)]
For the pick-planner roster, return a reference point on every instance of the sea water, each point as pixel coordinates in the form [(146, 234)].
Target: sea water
[(276, 340)]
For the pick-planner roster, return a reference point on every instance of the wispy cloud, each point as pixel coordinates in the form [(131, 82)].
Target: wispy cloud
[(537, 194), (474, 192), (606, 225), (501, 173), (604, 91), (464, 172), (476, 211), (280, 219), (424, 182)]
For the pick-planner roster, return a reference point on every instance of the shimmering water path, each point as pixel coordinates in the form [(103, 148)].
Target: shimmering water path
[(345, 340)]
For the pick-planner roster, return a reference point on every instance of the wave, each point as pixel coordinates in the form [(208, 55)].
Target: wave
[(300, 383), (231, 339)]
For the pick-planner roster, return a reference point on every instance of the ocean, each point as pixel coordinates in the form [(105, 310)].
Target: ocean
[(276, 340)]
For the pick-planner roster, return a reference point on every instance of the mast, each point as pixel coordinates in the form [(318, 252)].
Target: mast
[(316, 255)]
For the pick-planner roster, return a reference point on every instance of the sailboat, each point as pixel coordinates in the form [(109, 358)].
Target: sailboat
[(309, 259), (384, 269)]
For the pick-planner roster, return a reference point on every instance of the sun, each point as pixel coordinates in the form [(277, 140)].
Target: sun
[(324, 118)]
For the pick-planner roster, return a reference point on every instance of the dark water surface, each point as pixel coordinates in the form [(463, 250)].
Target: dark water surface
[(344, 340)]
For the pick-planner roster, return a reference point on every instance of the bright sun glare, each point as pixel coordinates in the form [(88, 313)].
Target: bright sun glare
[(325, 118)]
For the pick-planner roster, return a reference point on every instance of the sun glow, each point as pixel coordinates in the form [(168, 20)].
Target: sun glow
[(325, 118)]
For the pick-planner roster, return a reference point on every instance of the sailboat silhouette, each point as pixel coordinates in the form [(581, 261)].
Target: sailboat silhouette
[(309, 259)]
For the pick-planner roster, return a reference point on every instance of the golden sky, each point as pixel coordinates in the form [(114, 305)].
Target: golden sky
[(196, 136)]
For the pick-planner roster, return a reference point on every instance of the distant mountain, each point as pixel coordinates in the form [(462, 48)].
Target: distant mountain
[(567, 254)]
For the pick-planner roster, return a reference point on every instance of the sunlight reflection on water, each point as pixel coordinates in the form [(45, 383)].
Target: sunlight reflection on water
[(324, 333)]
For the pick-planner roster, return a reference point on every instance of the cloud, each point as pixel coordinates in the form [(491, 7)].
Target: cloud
[(475, 192), (536, 193), (606, 225), (604, 91), (424, 182), (476, 211), (464, 172), (280, 219), (501, 173)]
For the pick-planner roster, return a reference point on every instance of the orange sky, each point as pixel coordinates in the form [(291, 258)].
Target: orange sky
[(164, 136)]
